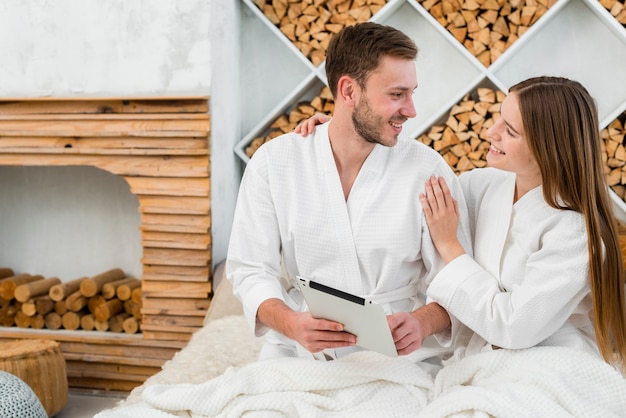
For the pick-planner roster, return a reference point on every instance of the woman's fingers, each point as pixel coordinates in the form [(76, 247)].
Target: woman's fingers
[(307, 126), (438, 192), (437, 198), (445, 191), (450, 202), (435, 194), (428, 212)]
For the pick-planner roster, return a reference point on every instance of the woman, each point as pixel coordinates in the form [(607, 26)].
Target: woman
[(547, 266)]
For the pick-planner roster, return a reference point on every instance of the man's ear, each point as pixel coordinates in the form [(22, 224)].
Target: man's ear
[(347, 89)]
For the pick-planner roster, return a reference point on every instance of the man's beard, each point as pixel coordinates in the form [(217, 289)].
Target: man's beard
[(366, 123)]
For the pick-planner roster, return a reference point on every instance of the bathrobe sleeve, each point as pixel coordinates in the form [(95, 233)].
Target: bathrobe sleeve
[(540, 279), (254, 247)]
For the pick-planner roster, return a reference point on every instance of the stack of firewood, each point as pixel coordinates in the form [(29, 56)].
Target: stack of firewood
[(286, 123), (109, 301), (614, 153), (462, 139), (617, 9), (487, 28), (310, 24)]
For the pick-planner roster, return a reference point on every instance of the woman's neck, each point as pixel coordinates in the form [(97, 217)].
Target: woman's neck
[(524, 185)]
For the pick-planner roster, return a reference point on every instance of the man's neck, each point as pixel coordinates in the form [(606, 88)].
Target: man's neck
[(349, 151)]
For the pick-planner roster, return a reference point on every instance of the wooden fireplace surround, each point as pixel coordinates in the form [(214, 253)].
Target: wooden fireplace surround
[(160, 147)]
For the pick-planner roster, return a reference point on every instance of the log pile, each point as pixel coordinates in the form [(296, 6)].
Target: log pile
[(617, 9), (323, 103), (487, 28), (614, 154), (462, 139), (310, 24), (109, 301)]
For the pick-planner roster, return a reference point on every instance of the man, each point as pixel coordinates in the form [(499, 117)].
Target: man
[(342, 208)]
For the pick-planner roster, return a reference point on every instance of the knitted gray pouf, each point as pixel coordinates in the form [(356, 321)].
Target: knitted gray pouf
[(17, 399)]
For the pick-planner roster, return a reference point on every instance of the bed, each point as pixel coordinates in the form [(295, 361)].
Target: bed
[(217, 375)]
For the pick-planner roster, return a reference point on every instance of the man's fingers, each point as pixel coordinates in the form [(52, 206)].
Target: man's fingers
[(319, 324), (332, 331)]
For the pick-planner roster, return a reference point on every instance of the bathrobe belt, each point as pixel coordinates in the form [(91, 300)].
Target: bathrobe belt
[(405, 292)]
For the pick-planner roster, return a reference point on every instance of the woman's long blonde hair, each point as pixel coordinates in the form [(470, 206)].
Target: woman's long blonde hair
[(560, 121)]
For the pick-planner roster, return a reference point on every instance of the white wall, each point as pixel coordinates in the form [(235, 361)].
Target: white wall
[(96, 48), (68, 222), (104, 47), (226, 129)]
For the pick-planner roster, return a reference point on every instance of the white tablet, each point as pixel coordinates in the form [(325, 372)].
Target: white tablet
[(359, 316)]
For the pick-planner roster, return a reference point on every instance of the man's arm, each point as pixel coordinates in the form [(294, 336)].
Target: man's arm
[(409, 329), (432, 318), (313, 334)]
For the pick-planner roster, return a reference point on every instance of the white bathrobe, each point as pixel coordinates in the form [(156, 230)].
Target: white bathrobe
[(376, 244), (528, 283)]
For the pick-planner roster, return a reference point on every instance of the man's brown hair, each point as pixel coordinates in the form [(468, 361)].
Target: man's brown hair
[(356, 51)]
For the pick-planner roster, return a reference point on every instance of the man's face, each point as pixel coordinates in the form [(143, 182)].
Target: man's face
[(386, 102)]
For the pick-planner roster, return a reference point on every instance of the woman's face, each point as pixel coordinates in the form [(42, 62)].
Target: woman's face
[(509, 148)]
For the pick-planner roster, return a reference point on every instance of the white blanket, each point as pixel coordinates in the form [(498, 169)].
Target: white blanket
[(364, 384), (537, 382)]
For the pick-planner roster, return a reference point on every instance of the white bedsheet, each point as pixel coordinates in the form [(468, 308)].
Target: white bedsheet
[(537, 382)]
